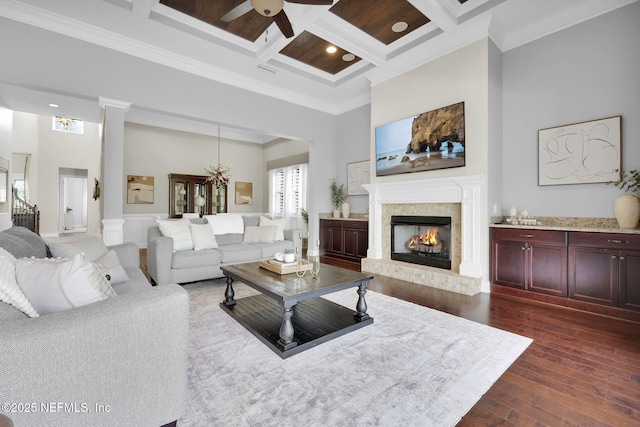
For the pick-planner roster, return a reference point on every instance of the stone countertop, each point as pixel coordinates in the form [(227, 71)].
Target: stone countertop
[(352, 217), (592, 225)]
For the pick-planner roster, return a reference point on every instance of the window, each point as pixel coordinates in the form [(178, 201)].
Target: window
[(65, 124), (18, 184), (288, 190)]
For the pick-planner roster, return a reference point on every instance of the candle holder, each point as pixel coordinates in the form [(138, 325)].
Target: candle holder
[(312, 263)]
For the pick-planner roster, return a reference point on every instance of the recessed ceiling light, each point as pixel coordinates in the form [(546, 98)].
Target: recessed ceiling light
[(53, 105), (348, 57), (399, 27), (332, 49)]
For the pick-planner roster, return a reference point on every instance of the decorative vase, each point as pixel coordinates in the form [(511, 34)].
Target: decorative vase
[(336, 213), (627, 209), (346, 209)]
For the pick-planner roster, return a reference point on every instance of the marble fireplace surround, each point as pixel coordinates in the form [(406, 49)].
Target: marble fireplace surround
[(386, 199)]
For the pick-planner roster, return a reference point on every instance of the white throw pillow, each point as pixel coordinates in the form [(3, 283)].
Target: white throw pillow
[(10, 292), (91, 246), (58, 284), (280, 223), (179, 230), (110, 266), (226, 223), (262, 234), (203, 237)]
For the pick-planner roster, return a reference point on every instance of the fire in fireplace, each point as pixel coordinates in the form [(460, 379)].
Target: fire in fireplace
[(421, 240)]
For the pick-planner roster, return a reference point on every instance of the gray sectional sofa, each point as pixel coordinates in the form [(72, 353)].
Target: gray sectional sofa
[(168, 266), (120, 361)]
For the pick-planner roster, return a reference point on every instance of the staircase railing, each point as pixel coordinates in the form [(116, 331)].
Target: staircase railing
[(25, 215)]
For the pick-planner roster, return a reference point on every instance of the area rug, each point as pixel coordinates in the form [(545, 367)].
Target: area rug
[(413, 366)]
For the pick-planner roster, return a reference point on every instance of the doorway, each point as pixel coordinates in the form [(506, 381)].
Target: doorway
[(73, 206)]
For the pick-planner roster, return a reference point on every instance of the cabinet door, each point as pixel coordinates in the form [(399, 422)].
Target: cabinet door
[(350, 241), (362, 239), (547, 270), (508, 263), (593, 275), (630, 280)]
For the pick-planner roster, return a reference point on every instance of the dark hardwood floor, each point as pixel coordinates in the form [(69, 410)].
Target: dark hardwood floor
[(582, 369)]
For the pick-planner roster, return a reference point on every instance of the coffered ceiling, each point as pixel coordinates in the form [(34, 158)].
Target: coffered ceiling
[(373, 40)]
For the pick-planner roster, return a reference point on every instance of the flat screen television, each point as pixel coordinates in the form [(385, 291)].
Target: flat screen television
[(427, 141)]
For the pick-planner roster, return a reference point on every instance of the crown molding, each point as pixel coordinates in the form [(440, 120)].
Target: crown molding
[(584, 11), (70, 27)]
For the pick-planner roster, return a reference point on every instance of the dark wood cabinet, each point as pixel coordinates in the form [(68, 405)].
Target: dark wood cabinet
[(343, 242), (533, 260), (604, 269), (184, 191)]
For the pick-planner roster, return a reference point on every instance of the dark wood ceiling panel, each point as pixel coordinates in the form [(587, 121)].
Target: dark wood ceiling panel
[(249, 26), (312, 50), (375, 17)]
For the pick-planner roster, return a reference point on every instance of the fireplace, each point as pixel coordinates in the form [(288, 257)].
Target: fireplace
[(424, 240)]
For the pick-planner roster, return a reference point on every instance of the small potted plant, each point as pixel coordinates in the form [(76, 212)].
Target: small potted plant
[(627, 206), (338, 196)]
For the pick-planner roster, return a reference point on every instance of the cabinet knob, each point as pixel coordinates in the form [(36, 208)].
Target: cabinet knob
[(621, 258), (613, 257)]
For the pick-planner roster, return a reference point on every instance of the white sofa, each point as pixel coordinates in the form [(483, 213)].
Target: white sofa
[(183, 266)]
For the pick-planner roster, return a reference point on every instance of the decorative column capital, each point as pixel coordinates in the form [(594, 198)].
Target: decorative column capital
[(109, 102)]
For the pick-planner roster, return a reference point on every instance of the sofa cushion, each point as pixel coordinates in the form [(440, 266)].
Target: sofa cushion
[(10, 292), (268, 250), (90, 245), (264, 234), (251, 221), (179, 230), (22, 242), (110, 266), (230, 254), (195, 259), (57, 284), (203, 237), (279, 223), (229, 239), (226, 223)]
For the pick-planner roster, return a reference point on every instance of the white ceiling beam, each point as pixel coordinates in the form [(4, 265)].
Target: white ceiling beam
[(143, 8), (438, 11), (348, 37)]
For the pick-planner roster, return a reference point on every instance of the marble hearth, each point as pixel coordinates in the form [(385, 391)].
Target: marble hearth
[(458, 197)]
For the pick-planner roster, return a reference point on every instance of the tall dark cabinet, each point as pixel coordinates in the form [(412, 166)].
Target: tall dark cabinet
[(184, 191)]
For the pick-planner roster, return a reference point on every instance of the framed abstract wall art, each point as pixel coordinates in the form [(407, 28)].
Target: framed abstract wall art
[(140, 189), (580, 153), (357, 174)]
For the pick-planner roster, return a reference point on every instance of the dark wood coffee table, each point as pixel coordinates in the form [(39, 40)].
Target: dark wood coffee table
[(289, 316)]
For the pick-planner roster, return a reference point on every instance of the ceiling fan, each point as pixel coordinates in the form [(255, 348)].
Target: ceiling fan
[(271, 8)]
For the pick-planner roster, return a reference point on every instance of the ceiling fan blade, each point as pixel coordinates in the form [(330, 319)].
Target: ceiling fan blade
[(282, 21), (237, 11), (313, 2)]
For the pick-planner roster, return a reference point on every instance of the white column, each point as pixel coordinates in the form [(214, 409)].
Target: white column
[(113, 169)]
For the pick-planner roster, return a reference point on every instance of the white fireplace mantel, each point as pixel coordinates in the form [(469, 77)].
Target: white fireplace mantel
[(465, 190)]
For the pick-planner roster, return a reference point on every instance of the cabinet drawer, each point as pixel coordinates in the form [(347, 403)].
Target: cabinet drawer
[(529, 235), (331, 223), (605, 240), (357, 225)]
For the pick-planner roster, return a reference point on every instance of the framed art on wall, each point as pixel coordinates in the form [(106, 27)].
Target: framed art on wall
[(357, 174), (244, 193), (140, 189), (580, 153)]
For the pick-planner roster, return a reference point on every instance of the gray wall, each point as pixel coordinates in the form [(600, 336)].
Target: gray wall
[(586, 72), (353, 146)]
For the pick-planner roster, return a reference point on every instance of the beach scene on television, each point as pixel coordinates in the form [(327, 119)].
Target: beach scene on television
[(427, 141)]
